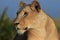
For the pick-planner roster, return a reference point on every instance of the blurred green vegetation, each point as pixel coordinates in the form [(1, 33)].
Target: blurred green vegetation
[(58, 25), (7, 30)]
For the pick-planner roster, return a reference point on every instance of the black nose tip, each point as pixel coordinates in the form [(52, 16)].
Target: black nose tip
[(16, 23)]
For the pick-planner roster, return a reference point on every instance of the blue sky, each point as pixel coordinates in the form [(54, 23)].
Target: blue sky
[(51, 7)]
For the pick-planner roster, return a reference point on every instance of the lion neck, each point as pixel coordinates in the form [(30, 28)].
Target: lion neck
[(38, 33)]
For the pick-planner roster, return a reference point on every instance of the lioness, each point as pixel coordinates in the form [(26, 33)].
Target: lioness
[(33, 19)]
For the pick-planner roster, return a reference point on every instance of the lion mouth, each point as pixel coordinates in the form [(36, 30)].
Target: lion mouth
[(20, 31)]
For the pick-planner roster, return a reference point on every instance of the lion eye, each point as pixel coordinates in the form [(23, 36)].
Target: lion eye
[(25, 14)]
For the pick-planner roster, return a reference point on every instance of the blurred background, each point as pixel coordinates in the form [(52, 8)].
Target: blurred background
[(9, 8)]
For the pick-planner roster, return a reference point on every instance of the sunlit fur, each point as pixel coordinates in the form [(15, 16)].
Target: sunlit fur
[(40, 25)]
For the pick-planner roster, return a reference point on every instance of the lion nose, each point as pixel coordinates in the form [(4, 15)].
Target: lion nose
[(16, 23)]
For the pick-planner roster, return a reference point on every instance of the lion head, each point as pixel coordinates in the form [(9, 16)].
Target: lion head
[(27, 17)]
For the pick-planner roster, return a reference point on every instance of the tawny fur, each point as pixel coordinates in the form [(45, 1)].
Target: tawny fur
[(46, 30), (41, 26)]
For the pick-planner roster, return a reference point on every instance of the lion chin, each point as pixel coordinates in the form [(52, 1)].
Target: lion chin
[(21, 32)]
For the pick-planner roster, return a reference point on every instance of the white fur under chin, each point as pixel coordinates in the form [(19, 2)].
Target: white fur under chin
[(21, 32)]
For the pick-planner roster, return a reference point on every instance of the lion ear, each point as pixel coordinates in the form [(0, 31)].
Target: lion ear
[(22, 4), (35, 4)]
